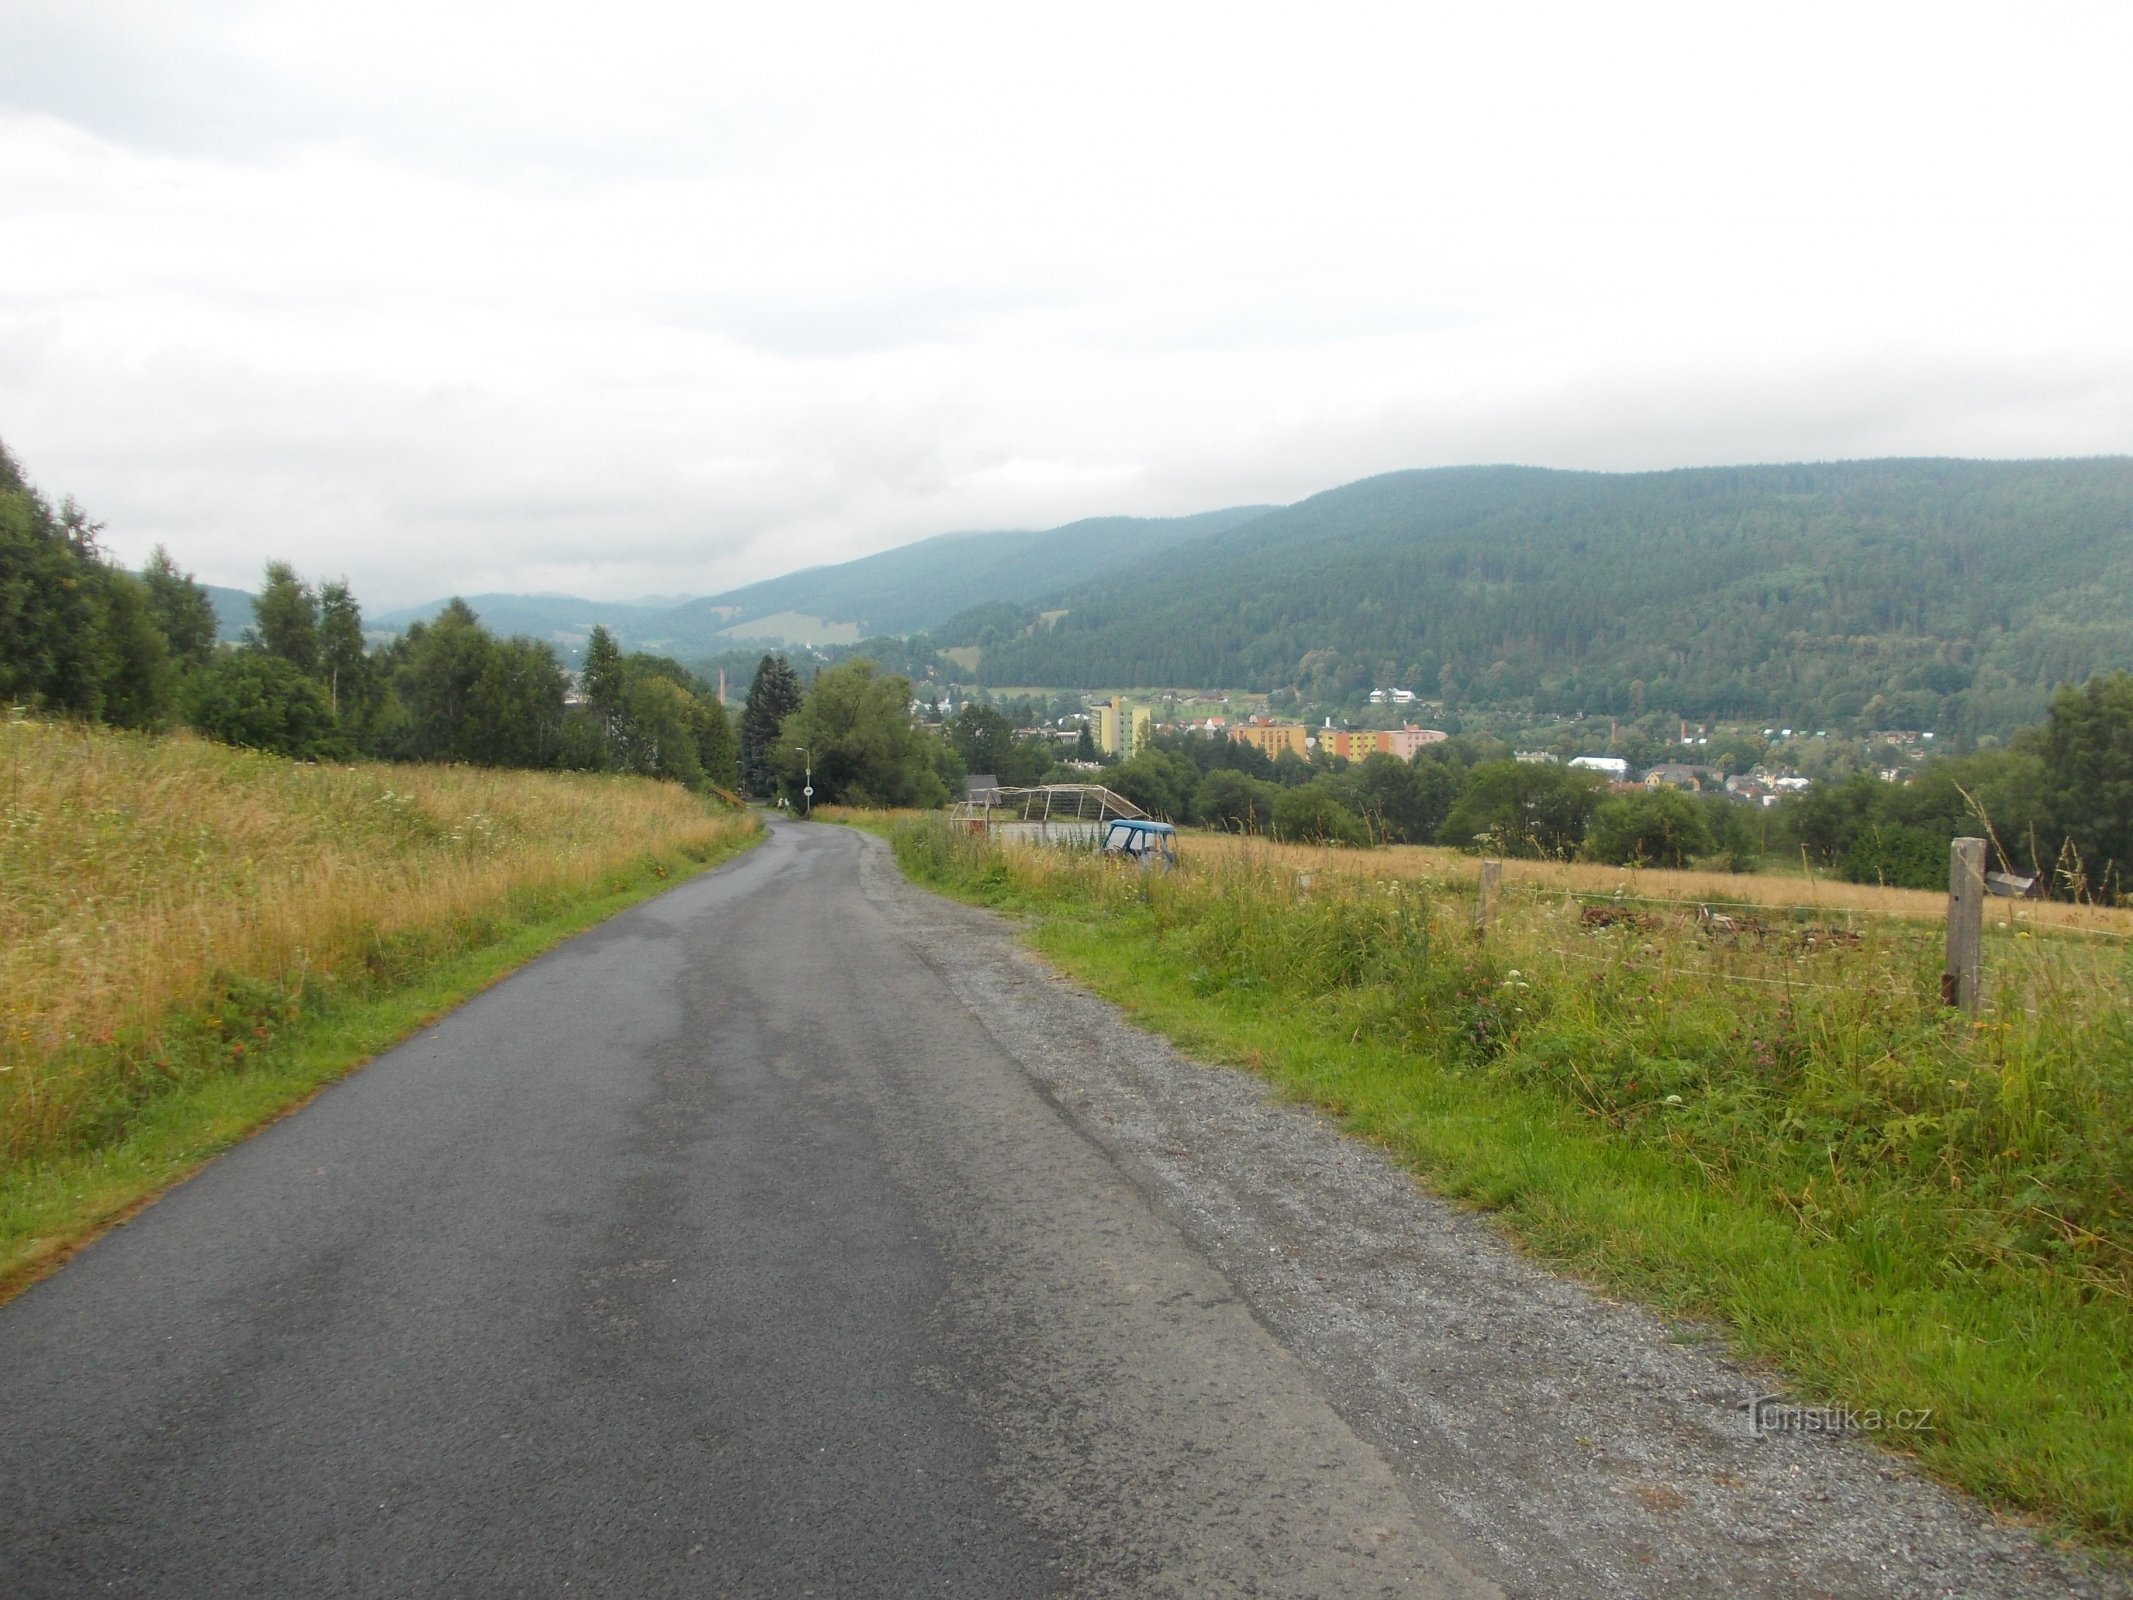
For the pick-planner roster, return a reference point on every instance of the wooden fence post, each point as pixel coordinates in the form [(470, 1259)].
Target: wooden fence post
[(1962, 978), (1485, 905)]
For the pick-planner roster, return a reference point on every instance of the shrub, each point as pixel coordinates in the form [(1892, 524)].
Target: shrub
[(1310, 815), (1659, 828), (258, 701), (1898, 856)]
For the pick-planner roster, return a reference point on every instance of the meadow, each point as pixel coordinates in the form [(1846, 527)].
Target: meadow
[(176, 916), (1751, 1112)]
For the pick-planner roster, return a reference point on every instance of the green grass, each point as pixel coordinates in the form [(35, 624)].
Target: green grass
[(53, 1203), (1895, 1206), (794, 627)]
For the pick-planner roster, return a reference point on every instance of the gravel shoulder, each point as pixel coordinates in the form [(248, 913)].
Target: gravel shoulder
[(1567, 1443)]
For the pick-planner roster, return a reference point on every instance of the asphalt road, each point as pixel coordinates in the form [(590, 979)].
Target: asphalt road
[(724, 1250)]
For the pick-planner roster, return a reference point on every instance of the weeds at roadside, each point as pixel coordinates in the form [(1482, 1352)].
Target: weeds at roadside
[(1775, 1124)]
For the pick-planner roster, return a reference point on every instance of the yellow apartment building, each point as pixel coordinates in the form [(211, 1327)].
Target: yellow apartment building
[(1275, 737)]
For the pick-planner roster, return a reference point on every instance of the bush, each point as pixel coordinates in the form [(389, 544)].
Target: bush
[(1310, 815), (1230, 800), (1897, 857), (260, 702), (1159, 782), (1659, 828), (1519, 808)]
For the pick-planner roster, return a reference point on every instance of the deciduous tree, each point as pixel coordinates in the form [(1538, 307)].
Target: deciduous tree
[(261, 702), (856, 726), (1524, 808), (1658, 828), (2088, 764), (181, 609), (286, 609)]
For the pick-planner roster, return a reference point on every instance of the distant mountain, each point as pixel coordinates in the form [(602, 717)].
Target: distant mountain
[(233, 611), (897, 591), (557, 618), (917, 586), (1922, 594)]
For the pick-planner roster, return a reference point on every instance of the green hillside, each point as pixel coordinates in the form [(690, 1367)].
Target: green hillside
[(557, 619), (899, 591), (918, 586), (1925, 594), (233, 611)]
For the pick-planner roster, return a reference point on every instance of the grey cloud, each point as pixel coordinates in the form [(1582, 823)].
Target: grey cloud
[(172, 90), (167, 82), (862, 325)]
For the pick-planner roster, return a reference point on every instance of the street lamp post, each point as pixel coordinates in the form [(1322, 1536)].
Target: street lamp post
[(807, 794)]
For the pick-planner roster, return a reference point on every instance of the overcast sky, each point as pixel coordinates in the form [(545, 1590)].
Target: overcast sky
[(627, 297)]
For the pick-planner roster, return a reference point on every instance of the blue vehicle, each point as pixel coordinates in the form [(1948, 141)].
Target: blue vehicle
[(1145, 843)]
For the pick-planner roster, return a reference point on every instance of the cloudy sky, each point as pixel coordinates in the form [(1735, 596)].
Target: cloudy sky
[(632, 297)]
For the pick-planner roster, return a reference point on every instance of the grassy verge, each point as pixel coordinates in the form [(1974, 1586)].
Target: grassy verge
[(193, 940), (1776, 1129), (867, 819)]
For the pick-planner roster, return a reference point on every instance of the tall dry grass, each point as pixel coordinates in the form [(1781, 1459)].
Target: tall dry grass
[(142, 878), (1813, 893)]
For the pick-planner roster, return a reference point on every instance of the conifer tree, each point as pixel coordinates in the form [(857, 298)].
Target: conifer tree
[(605, 681), (772, 697)]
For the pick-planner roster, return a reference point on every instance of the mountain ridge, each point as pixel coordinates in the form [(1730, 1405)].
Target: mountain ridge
[(1922, 591), (900, 591)]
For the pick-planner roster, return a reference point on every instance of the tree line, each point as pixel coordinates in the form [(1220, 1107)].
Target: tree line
[(81, 636), (2055, 803)]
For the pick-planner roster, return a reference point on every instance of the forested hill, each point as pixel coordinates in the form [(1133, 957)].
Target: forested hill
[(899, 591), (919, 586), (1925, 594)]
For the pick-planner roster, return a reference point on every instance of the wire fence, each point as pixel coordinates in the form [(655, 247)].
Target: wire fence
[(1666, 969), (1771, 927), (1750, 910)]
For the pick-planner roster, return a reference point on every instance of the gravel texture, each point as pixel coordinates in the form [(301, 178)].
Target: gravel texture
[(1566, 1443)]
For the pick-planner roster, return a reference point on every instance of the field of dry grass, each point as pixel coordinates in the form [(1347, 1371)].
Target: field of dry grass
[(1818, 895), (144, 880)]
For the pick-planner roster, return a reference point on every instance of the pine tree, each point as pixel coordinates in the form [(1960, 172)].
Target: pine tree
[(605, 681), (772, 697)]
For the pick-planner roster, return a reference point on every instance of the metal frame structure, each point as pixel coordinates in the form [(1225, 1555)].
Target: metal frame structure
[(1051, 813)]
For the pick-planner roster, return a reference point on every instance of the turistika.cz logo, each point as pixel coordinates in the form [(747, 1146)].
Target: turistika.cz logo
[(1770, 1413)]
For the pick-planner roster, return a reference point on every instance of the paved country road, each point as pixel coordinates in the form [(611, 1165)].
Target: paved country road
[(796, 1233)]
